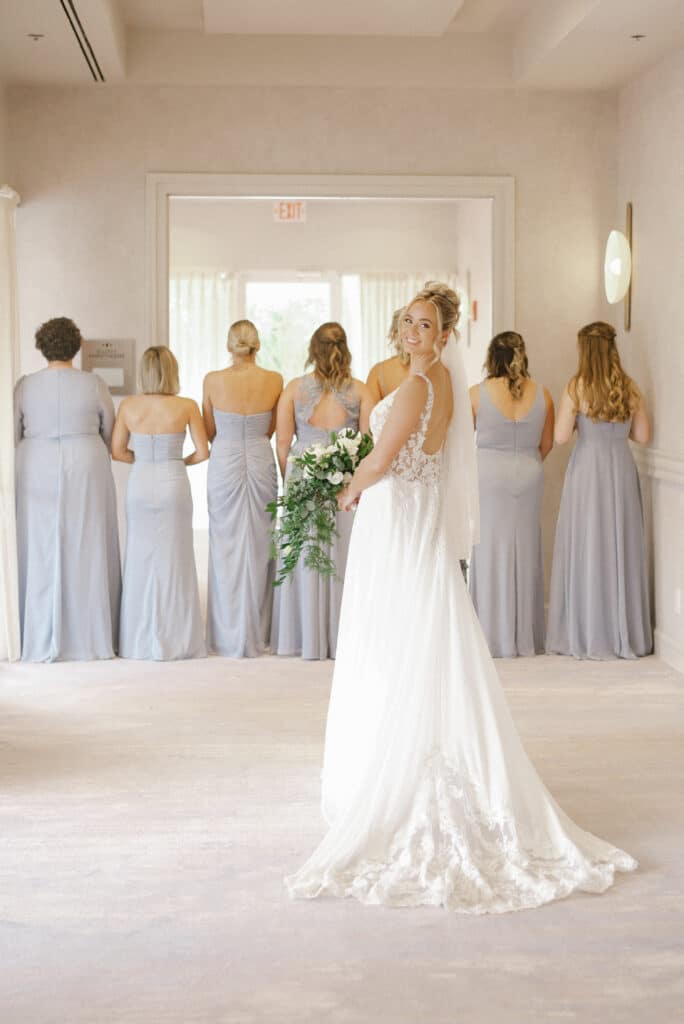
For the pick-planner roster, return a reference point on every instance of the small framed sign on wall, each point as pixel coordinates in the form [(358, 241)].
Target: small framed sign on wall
[(114, 361)]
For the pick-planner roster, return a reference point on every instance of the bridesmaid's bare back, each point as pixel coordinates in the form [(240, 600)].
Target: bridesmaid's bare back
[(243, 389), (157, 414)]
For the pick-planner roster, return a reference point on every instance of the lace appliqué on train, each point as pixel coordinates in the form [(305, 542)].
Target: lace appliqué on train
[(455, 851)]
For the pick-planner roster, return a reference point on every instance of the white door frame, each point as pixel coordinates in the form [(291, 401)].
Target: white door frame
[(161, 187)]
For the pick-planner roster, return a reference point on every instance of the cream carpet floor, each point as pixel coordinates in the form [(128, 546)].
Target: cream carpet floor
[(149, 812)]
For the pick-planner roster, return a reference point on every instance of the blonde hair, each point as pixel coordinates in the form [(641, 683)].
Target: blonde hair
[(601, 387), (330, 356), (159, 371), (243, 338), (394, 338), (506, 357), (447, 304)]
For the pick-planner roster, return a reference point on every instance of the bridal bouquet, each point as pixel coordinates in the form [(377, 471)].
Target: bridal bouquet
[(309, 503)]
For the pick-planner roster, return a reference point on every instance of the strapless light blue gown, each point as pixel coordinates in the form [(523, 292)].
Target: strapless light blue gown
[(160, 606), (241, 482)]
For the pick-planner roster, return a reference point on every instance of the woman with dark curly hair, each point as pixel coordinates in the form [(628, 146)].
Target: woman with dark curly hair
[(68, 542), (514, 422)]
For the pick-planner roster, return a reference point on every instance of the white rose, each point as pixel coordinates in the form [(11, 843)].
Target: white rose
[(335, 478), (346, 479)]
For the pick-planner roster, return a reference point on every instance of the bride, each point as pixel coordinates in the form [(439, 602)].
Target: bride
[(428, 792)]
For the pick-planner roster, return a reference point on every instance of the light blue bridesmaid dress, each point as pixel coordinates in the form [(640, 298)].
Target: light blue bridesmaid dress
[(67, 536), (160, 606), (599, 603), (306, 609), (506, 570), (241, 481)]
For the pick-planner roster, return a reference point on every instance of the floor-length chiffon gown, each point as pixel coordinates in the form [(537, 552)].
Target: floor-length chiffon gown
[(160, 607), (241, 482), (599, 602), (428, 792), (67, 535), (506, 571), (306, 608)]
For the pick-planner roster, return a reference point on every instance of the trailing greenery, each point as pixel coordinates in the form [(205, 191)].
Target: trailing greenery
[(307, 525)]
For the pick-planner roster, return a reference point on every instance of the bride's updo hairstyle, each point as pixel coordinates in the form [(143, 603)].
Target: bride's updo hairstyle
[(507, 358), (243, 338), (447, 305), (601, 388), (330, 356)]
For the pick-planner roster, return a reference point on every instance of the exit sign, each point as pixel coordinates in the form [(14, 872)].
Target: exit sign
[(289, 211)]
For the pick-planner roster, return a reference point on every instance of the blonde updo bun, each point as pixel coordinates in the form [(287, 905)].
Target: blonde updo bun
[(446, 301), (243, 338)]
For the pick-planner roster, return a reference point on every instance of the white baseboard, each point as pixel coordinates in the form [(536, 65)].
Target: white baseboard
[(669, 650)]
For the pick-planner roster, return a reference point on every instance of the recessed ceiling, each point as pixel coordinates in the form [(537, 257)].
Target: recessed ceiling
[(313, 18)]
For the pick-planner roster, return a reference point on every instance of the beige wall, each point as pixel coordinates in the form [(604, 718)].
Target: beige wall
[(4, 162), (80, 156), (349, 236), (651, 158)]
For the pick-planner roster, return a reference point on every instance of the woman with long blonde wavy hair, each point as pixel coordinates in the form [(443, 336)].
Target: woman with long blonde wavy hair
[(599, 604), (306, 608)]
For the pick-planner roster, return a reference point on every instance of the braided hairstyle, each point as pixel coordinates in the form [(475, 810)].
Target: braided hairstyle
[(601, 387), (506, 357)]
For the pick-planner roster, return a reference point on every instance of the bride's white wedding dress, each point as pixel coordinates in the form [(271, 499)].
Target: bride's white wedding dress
[(429, 794)]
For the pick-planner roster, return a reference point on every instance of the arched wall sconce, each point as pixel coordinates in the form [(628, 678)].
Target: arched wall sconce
[(617, 268)]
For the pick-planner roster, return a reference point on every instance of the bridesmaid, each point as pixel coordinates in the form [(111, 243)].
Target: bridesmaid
[(599, 605), (67, 536), (386, 376), (160, 608), (513, 417), (307, 607), (239, 407)]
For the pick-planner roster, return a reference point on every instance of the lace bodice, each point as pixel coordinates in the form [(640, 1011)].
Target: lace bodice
[(411, 463)]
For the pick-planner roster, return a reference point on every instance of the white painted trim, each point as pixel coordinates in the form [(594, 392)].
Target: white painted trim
[(660, 465), (669, 650), (159, 187)]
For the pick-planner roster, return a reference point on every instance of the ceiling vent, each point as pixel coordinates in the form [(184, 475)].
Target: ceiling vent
[(86, 49)]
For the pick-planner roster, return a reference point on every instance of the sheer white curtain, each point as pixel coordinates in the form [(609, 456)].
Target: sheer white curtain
[(377, 296), (202, 306), (10, 644)]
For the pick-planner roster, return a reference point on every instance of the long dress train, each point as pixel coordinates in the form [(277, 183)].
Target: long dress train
[(429, 794)]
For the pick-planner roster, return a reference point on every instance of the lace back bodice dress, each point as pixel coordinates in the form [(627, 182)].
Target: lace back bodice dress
[(306, 609), (241, 481), (429, 795), (160, 607)]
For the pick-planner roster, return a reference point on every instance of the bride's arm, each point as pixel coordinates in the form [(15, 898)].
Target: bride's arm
[(402, 420)]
